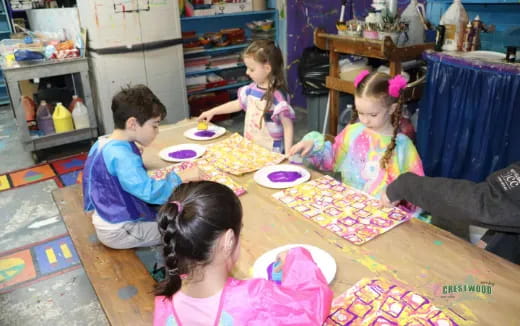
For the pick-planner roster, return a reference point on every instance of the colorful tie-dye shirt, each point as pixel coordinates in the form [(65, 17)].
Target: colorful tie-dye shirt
[(356, 154)]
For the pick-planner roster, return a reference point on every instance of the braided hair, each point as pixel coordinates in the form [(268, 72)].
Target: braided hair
[(266, 52), (196, 214), (376, 85)]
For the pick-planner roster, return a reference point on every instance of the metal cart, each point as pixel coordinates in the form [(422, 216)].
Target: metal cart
[(78, 68)]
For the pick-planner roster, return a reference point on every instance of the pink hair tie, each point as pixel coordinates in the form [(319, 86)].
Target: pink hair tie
[(395, 85), (360, 77), (179, 206)]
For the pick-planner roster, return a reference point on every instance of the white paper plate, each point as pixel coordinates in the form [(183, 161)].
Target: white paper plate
[(323, 259), (196, 151), (485, 55), (194, 133), (262, 176)]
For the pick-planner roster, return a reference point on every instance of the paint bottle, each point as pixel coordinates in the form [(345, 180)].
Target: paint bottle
[(75, 99), (454, 20), (468, 38), (412, 17), (30, 112), (439, 37), (44, 119), (80, 115), (511, 53), (62, 119)]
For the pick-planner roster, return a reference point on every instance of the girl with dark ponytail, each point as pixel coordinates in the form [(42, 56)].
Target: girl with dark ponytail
[(200, 227), (370, 152)]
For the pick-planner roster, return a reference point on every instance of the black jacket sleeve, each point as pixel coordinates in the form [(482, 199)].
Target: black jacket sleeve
[(494, 203)]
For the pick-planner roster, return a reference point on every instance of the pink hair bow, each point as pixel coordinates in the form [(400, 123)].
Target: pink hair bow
[(395, 85), (360, 77)]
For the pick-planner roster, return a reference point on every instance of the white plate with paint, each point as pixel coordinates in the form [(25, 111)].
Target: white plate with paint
[(211, 133), (182, 152), (485, 55), (323, 259), (281, 176)]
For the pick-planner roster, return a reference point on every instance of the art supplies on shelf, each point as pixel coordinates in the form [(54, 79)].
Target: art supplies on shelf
[(348, 212), (80, 115), (225, 37), (44, 119), (40, 46), (454, 21), (62, 119)]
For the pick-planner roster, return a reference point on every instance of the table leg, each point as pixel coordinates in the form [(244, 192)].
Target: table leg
[(395, 68), (333, 94)]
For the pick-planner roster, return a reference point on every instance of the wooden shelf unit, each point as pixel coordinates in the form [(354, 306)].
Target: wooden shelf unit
[(379, 49)]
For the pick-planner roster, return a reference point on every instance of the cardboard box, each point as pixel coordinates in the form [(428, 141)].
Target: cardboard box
[(229, 8), (204, 12)]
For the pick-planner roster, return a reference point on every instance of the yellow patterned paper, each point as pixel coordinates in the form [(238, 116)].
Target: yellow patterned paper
[(348, 212), (379, 302), (237, 155), (211, 174)]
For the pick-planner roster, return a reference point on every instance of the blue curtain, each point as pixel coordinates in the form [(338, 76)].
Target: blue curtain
[(469, 118)]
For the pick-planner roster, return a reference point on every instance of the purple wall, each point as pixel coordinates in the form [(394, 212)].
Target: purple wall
[(303, 16)]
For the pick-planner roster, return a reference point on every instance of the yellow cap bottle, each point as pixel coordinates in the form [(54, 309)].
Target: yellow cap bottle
[(62, 119)]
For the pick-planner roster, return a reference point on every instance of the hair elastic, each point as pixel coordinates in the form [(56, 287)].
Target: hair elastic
[(173, 271), (360, 77), (395, 85), (179, 206)]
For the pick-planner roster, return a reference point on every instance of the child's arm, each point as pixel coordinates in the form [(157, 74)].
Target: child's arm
[(318, 151), (229, 107), (128, 168), (288, 132), (304, 293)]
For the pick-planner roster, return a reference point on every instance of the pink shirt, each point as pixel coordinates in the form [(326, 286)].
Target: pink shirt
[(302, 299), (196, 311)]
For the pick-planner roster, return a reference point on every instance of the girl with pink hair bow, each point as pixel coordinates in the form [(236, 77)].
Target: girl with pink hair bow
[(370, 152)]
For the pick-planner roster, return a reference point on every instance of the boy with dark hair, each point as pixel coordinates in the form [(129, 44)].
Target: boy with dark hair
[(115, 183), (493, 204)]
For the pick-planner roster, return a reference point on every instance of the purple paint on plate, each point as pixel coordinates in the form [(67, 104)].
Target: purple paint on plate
[(284, 176), (205, 133), (183, 154)]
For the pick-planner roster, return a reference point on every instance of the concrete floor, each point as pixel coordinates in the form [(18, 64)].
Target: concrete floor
[(10, 144), (59, 298)]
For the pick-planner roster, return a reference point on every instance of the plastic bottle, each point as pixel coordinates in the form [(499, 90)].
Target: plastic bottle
[(30, 112), (415, 26), (75, 99), (454, 20), (392, 7), (44, 119), (80, 116), (62, 119)]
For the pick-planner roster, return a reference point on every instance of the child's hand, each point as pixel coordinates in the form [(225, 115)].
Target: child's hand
[(386, 201), (305, 146), (206, 116), (191, 174)]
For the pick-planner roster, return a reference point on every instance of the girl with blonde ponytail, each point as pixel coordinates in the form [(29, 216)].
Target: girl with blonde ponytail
[(370, 152)]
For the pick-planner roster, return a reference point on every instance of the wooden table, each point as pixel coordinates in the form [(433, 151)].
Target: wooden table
[(378, 49), (415, 254)]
